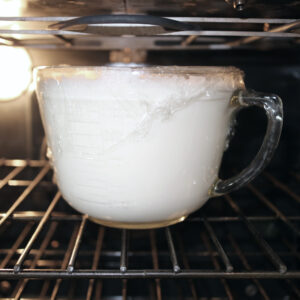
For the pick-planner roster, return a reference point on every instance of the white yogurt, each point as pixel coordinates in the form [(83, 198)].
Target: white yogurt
[(139, 145)]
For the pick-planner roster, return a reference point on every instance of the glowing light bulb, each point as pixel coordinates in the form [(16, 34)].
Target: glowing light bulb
[(12, 7), (15, 72)]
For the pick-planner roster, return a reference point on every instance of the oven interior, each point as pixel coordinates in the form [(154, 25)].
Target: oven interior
[(244, 245)]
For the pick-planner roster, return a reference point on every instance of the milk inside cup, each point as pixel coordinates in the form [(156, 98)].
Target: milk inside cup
[(137, 147)]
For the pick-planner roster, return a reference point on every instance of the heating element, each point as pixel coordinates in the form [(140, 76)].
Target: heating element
[(220, 252)]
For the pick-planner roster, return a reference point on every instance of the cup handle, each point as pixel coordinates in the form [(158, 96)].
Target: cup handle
[(273, 107)]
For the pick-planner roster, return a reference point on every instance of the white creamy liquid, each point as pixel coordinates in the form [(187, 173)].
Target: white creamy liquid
[(136, 147)]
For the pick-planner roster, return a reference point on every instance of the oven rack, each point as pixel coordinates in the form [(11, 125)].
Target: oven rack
[(210, 33), (33, 255)]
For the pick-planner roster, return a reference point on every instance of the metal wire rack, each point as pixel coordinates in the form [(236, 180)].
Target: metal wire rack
[(210, 33), (251, 235)]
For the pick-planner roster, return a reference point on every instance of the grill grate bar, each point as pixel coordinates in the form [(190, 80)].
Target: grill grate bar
[(152, 290), (44, 289), (23, 162), (181, 19), (43, 221), (176, 267), (10, 176), (77, 244), (124, 248), (282, 186), (65, 262), (274, 258), (98, 290), (16, 245), (25, 193), (124, 289), (238, 219), (187, 267), (96, 259), (20, 287), (272, 207), (38, 215), (221, 251), (23, 183), (216, 265), (51, 253), (155, 263), (60, 216), (247, 266), (151, 274)]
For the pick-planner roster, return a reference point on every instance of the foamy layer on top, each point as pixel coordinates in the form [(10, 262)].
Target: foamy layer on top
[(156, 87)]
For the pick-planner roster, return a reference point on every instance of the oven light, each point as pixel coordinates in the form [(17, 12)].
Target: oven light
[(12, 7), (15, 72)]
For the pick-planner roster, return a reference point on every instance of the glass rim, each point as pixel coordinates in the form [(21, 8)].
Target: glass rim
[(156, 69)]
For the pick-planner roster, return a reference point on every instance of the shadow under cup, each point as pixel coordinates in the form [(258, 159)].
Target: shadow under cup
[(140, 147)]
